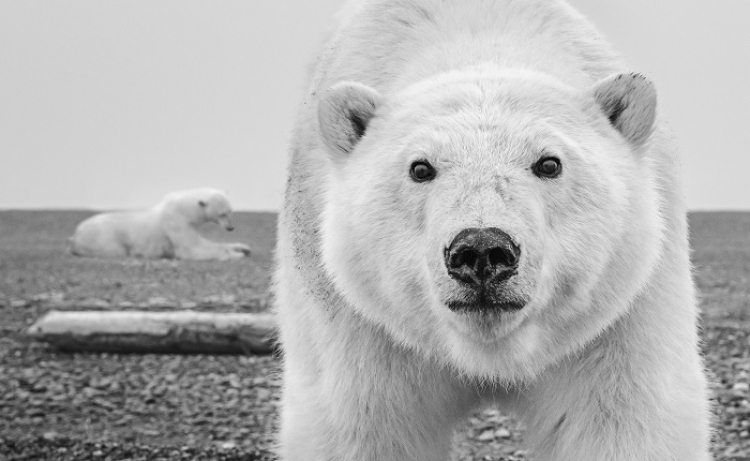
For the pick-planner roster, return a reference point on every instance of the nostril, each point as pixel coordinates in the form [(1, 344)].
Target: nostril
[(498, 256), (469, 257), (502, 257), (462, 257)]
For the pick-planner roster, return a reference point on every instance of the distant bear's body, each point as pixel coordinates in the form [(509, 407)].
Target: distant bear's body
[(483, 208), (166, 230)]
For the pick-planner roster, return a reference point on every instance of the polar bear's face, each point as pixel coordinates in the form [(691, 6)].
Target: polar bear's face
[(215, 208), (474, 216)]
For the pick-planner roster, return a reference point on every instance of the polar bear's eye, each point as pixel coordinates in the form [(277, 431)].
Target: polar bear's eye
[(422, 171), (548, 167)]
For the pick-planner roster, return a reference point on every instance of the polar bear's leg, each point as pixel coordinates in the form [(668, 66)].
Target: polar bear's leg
[(199, 248), (351, 394), (636, 393), (187, 243), (616, 406), (334, 410)]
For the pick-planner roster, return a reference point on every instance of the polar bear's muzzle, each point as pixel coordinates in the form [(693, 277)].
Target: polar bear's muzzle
[(481, 260), (226, 223)]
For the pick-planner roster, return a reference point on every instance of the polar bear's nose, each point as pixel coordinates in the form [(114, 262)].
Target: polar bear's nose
[(479, 256)]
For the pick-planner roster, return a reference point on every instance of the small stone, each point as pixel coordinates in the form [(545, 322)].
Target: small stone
[(50, 435), (742, 387), (18, 303), (487, 435), (36, 413), (502, 433), (227, 445), (232, 380)]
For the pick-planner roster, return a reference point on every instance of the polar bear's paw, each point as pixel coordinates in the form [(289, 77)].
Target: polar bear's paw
[(238, 250)]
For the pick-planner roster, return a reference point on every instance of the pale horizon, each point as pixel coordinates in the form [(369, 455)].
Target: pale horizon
[(109, 105)]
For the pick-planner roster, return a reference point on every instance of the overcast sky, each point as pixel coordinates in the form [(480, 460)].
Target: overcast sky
[(112, 104)]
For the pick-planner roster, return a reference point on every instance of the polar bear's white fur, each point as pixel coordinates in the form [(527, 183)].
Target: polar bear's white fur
[(483, 208), (166, 230)]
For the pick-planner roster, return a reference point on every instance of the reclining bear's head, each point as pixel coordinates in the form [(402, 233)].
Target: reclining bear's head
[(214, 207), (473, 215)]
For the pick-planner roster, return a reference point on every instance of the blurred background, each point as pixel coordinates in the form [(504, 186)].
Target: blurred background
[(107, 105)]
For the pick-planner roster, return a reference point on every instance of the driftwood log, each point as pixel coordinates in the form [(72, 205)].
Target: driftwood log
[(187, 331)]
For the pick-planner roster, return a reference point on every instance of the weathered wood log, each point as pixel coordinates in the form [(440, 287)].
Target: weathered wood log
[(187, 331)]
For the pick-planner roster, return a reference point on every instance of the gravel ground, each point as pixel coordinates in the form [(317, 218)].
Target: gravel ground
[(60, 406), (105, 406), (65, 449)]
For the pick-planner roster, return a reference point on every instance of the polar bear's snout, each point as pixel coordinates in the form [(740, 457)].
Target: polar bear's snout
[(226, 222), (484, 262), (482, 257)]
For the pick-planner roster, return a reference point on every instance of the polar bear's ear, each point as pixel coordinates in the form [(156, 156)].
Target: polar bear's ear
[(629, 101), (344, 113)]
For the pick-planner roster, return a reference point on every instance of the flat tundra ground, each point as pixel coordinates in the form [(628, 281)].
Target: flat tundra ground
[(173, 407)]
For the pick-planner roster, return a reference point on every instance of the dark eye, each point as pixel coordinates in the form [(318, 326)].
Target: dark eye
[(548, 167), (422, 171)]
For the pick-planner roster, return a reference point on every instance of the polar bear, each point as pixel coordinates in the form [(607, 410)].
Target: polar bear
[(166, 230), (484, 208)]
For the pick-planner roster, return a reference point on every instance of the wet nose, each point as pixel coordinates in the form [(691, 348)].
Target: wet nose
[(478, 256)]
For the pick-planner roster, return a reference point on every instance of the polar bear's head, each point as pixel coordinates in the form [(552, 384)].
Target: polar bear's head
[(493, 219), (216, 208), (201, 205)]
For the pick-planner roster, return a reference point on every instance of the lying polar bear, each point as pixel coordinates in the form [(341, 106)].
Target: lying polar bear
[(166, 230)]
